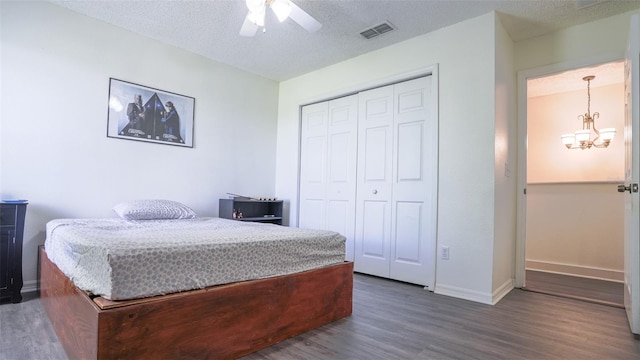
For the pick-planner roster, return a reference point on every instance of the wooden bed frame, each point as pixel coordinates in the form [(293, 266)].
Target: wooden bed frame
[(220, 322)]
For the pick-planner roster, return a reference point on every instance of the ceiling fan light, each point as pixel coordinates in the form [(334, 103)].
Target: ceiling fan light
[(282, 9), (254, 5), (257, 17), (607, 134)]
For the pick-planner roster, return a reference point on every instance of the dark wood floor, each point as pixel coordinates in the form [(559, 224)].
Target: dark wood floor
[(393, 320), (599, 291)]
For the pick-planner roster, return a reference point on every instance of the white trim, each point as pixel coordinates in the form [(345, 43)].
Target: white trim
[(502, 291), (607, 182), (372, 84), (589, 272), (521, 200), (477, 296), (466, 294), (29, 287)]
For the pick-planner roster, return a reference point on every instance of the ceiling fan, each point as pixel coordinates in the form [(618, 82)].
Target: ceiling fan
[(283, 10)]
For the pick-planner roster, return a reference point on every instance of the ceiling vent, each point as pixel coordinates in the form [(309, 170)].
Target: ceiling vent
[(586, 3), (383, 28)]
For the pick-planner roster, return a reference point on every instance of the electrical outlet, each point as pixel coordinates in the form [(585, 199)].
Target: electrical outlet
[(444, 252)]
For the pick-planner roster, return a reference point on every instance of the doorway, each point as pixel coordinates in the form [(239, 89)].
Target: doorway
[(574, 233)]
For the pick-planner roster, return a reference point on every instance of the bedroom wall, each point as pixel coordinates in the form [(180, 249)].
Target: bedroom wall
[(601, 39), (466, 138), (56, 66), (504, 165)]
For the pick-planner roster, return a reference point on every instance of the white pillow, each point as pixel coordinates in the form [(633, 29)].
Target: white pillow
[(153, 210)]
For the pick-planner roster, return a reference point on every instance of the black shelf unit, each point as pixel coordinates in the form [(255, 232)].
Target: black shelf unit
[(252, 210), (11, 232)]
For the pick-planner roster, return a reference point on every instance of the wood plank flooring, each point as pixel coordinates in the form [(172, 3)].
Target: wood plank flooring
[(594, 290), (393, 320)]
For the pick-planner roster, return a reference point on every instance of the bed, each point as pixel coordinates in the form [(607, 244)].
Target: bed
[(222, 317)]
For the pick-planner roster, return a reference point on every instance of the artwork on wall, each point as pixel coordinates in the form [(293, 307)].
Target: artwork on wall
[(142, 113)]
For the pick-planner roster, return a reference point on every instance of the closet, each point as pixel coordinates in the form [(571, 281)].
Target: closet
[(375, 179), (328, 167)]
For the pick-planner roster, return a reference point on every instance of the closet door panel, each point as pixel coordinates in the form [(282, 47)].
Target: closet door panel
[(375, 181), (407, 235), (328, 168), (313, 149), (338, 216), (373, 257), (376, 167), (410, 144), (339, 171), (313, 210), (414, 170), (341, 168)]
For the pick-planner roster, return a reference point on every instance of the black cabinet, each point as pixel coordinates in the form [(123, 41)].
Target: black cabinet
[(11, 232), (251, 210)]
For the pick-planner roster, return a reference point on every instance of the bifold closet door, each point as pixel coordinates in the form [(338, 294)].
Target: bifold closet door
[(328, 167), (397, 177), (414, 210), (374, 186)]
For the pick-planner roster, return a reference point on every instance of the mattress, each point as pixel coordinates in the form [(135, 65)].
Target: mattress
[(124, 259)]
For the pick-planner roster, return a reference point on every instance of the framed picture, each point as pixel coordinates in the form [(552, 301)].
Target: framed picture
[(142, 113)]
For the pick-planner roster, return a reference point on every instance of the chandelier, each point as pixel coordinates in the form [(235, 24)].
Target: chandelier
[(582, 139)]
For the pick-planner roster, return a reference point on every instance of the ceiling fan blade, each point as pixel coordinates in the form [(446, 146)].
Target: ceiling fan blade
[(303, 19), (248, 27)]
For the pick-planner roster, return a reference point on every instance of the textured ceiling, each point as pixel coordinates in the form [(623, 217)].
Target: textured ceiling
[(285, 50), (605, 74)]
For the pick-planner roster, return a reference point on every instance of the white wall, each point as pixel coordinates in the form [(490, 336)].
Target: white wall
[(601, 39), (56, 67), (576, 229), (504, 166), (550, 116), (466, 138)]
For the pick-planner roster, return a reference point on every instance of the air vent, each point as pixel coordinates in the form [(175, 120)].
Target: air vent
[(586, 3), (383, 28)]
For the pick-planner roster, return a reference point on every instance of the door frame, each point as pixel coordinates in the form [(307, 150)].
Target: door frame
[(521, 199)]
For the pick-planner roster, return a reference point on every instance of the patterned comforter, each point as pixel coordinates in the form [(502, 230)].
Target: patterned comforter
[(124, 259)]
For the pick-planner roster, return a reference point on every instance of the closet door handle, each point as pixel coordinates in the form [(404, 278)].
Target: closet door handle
[(374, 192)]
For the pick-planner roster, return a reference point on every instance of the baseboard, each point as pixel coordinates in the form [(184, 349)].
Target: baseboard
[(502, 291), (466, 294), (576, 270), (29, 286)]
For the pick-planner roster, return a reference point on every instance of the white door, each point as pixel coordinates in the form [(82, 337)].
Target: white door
[(630, 188), (397, 182), (341, 169), (374, 186), (313, 166), (413, 239), (328, 167)]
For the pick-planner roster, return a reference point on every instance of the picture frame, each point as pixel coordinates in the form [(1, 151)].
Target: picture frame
[(143, 113)]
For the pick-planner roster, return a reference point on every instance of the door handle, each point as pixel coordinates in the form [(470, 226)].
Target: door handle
[(631, 188)]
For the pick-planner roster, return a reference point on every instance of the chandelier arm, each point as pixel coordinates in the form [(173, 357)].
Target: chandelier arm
[(593, 121), (589, 97)]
